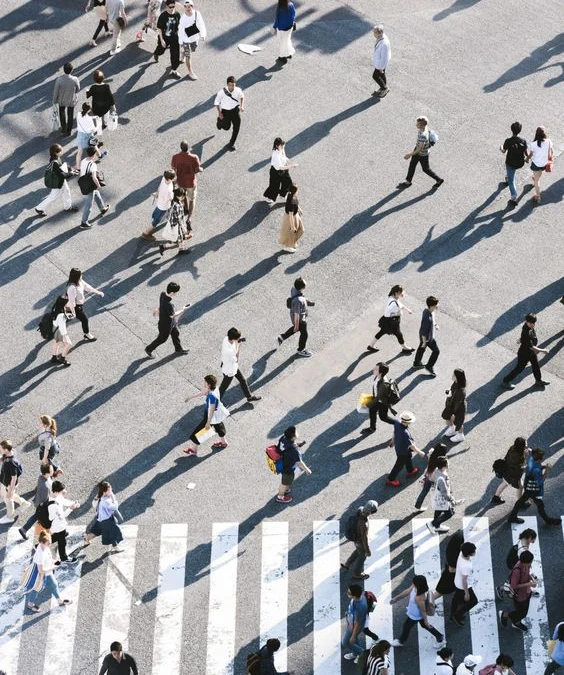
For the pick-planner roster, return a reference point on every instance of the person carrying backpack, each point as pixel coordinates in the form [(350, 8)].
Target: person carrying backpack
[(262, 663), (62, 341), (382, 392), (522, 583), (10, 472), (58, 509), (357, 532), (516, 154), (535, 474), (56, 177), (526, 539)]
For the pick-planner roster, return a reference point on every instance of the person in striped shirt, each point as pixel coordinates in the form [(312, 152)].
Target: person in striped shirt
[(378, 662)]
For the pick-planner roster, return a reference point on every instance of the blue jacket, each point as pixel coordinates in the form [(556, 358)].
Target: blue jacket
[(285, 17)]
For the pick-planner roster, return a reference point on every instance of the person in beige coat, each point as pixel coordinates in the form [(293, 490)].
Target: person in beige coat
[(292, 226)]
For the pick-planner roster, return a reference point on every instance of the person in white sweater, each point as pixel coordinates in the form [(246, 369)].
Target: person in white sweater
[(87, 128), (58, 509), (76, 287), (380, 59), (190, 29)]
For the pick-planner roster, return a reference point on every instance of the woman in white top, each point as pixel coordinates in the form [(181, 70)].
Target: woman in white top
[(48, 445), (61, 338), (76, 287), (45, 565), (280, 179), (416, 610), (390, 322), (540, 153), (86, 128)]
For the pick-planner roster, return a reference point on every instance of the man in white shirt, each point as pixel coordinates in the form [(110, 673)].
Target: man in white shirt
[(230, 101), (58, 509), (464, 597), (190, 29), (230, 365), (380, 59), (164, 200)]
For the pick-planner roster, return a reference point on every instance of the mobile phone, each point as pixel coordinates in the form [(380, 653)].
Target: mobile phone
[(186, 306), (242, 339)]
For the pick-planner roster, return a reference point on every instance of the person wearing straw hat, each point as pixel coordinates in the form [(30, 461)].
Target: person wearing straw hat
[(402, 441)]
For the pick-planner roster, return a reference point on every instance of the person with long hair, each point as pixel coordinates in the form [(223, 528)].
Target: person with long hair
[(177, 219), (416, 611), (59, 174), (513, 467), (102, 97), (87, 128), (76, 288), (292, 227), (45, 579), (48, 445), (443, 500), (535, 476), (107, 515), (541, 152), (455, 407), (389, 323), (214, 415), (378, 662), (439, 450), (99, 7), (280, 180), (284, 25), (62, 342)]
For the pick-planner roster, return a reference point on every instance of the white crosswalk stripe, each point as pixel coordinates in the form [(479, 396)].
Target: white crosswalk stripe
[(328, 591)]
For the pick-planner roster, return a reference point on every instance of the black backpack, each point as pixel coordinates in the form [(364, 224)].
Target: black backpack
[(351, 530), (512, 556), (391, 392), (253, 663), (45, 327), (498, 467), (42, 513)]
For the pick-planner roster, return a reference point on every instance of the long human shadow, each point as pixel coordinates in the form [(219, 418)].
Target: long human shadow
[(355, 226), (331, 32), (134, 198), (457, 6), (319, 130), (246, 81), (515, 315), (28, 18), (530, 64), (13, 380), (455, 241)]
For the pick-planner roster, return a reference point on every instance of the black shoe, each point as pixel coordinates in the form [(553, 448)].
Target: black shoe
[(553, 521), (183, 251), (85, 225), (502, 618), (404, 184), (372, 350), (282, 59), (507, 385), (73, 209), (254, 398), (40, 213), (520, 626), (407, 350), (161, 249), (232, 147), (71, 561), (149, 354), (541, 383), (367, 430), (497, 500), (156, 58), (430, 371), (182, 351), (418, 366), (105, 209), (55, 359), (438, 183), (64, 362), (519, 521), (23, 533)]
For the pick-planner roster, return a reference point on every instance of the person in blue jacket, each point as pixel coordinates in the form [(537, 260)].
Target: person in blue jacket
[(535, 474), (284, 26)]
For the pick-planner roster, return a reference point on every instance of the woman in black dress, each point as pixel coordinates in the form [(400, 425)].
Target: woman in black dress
[(280, 180), (102, 97)]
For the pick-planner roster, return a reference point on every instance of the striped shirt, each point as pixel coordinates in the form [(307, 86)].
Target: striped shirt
[(375, 664)]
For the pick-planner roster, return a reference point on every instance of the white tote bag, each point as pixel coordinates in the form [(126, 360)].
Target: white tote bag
[(112, 121), (168, 232)]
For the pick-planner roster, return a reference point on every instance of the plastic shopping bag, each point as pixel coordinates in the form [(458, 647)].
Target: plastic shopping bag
[(364, 400)]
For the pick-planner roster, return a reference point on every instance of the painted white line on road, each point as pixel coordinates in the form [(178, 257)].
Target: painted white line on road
[(59, 647), (537, 618), (117, 598), (378, 565), (274, 589), (483, 618), (427, 561), (167, 645), (12, 600), (326, 598), (223, 599)]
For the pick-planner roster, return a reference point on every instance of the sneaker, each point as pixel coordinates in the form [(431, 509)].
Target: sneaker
[(117, 549), (40, 213), (107, 207), (190, 451), (497, 500), (413, 471), (23, 533), (71, 561), (148, 237), (64, 362), (85, 225), (175, 74), (397, 643), (430, 528), (443, 529), (520, 626), (232, 147), (349, 656), (305, 352), (407, 350), (288, 249), (419, 509), (457, 438), (254, 397), (430, 371), (541, 383), (393, 483), (115, 51), (192, 76), (417, 366), (149, 354), (383, 92), (372, 349), (500, 593), (367, 430), (219, 445), (438, 183), (55, 360), (450, 431), (269, 201), (93, 43), (283, 499), (404, 184), (6, 521), (507, 385), (181, 351), (280, 340), (502, 618)]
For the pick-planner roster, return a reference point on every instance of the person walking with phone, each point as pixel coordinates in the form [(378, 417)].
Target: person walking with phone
[(526, 353), (427, 332), (88, 167), (191, 29), (289, 448), (230, 102), (230, 348), (168, 321)]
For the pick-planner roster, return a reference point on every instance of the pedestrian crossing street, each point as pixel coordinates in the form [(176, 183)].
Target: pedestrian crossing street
[(328, 588)]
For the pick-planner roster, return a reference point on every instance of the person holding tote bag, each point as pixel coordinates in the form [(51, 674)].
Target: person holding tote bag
[(176, 229), (292, 226), (44, 576), (284, 25), (214, 415)]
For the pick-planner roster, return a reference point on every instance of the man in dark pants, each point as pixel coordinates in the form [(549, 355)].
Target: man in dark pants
[(402, 441), (379, 405), (522, 583), (298, 315), (65, 95), (535, 473), (420, 154), (230, 101), (168, 321), (427, 337), (167, 31), (464, 597), (355, 562), (528, 351), (230, 364)]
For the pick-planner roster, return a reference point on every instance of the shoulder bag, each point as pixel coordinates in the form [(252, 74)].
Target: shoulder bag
[(193, 29)]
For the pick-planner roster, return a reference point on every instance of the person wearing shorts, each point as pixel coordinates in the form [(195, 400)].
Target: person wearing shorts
[(187, 165), (291, 458), (190, 29)]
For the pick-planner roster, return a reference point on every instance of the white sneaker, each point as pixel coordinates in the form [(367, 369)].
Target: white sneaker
[(397, 643), (269, 201), (450, 431), (431, 528), (305, 352), (421, 509), (443, 529), (288, 249), (457, 438), (117, 50), (349, 656), (6, 521)]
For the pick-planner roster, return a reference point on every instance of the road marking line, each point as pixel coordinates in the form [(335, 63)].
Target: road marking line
[(223, 599), (483, 618), (274, 589), (326, 598), (167, 645)]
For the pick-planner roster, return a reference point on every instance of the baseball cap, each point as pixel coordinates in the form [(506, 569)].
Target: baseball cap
[(188, 2), (472, 660), (371, 506)]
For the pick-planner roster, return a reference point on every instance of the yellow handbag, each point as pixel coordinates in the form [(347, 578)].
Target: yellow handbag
[(364, 400)]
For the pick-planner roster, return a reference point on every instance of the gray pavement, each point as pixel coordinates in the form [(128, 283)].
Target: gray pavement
[(471, 67)]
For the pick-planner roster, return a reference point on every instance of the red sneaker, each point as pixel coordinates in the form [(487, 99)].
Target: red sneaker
[(284, 499), (413, 471), (393, 483), (190, 451)]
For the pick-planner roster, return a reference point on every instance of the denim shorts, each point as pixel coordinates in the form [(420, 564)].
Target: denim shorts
[(534, 167), (82, 139)]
